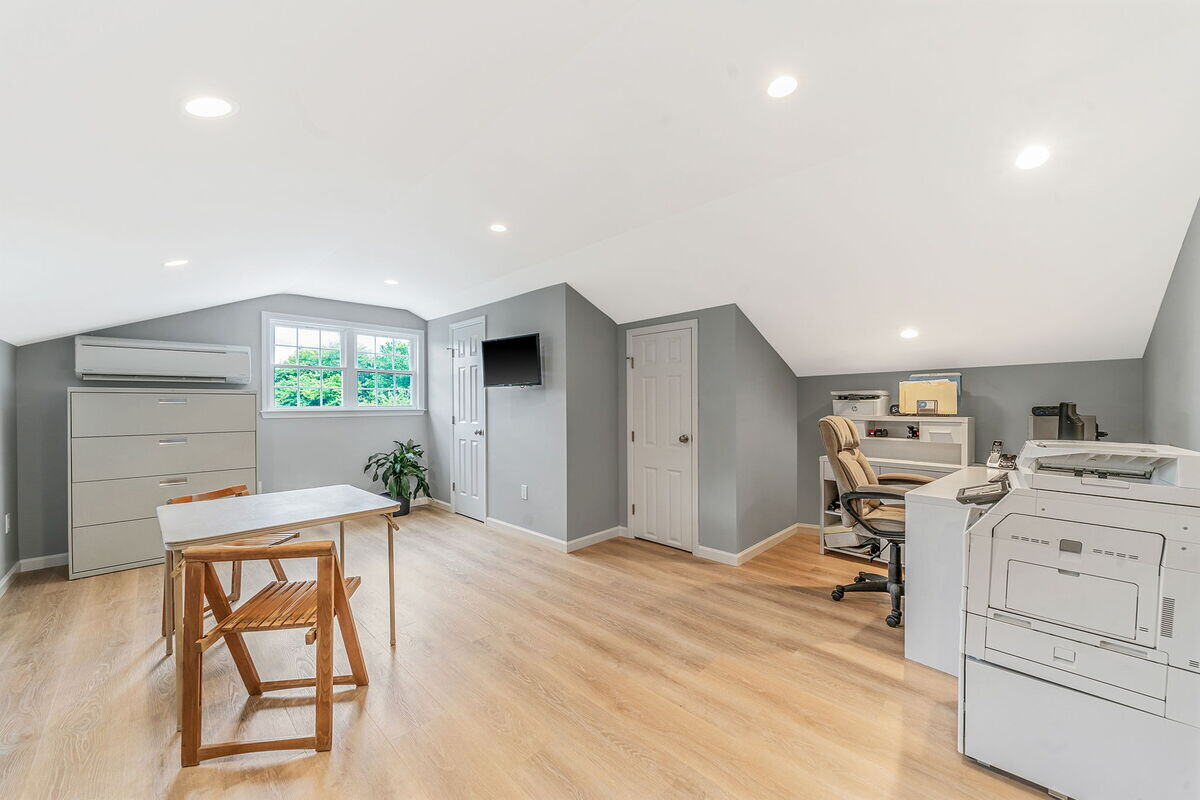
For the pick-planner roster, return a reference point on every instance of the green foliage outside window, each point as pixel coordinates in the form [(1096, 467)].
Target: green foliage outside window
[(308, 369)]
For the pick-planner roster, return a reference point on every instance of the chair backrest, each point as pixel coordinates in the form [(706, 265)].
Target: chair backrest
[(850, 467), (229, 491)]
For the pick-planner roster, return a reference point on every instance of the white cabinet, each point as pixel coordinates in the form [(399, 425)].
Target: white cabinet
[(130, 450)]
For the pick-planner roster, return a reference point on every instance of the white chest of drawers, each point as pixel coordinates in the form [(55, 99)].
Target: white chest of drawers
[(130, 450)]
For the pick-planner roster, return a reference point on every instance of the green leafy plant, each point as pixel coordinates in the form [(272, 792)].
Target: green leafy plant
[(400, 470)]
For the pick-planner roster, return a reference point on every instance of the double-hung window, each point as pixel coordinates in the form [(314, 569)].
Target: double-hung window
[(320, 366)]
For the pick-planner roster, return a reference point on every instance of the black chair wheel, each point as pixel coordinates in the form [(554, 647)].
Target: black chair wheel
[(893, 620), (837, 593)]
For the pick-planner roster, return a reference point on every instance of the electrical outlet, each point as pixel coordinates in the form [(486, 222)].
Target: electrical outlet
[(524, 491)]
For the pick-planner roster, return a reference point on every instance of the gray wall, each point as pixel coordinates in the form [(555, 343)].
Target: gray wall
[(998, 397), (293, 453), (526, 428), (717, 438), (1172, 360), (592, 432), (8, 455), (766, 419)]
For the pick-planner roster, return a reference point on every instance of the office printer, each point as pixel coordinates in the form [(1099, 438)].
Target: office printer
[(1081, 623)]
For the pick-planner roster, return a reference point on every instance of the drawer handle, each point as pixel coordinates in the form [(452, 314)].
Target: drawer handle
[(173, 482), (1123, 649), (172, 401), (178, 440), (1024, 623)]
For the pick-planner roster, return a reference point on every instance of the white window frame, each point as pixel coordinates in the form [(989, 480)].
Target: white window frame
[(348, 332)]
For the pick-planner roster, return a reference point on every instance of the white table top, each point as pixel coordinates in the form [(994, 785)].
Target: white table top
[(944, 490), (187, 524)]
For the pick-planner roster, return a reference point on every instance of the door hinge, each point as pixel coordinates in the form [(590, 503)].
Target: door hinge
[(633, 436), (452, 486), (453, 420), (633, 508)]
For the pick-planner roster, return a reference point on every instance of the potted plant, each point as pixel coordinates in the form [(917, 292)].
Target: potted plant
[(401, 472)]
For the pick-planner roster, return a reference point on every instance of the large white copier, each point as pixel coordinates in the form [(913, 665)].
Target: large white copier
[(1081, 630)]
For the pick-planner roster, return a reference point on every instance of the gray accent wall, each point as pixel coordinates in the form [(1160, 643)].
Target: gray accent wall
[(747, 436), (526, 427), (8, 456), (1172, 359), (766, 419), (591, 418), (998, 397), (293, 453)]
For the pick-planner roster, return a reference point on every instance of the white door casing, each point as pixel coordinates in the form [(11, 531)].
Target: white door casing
[(468, 494), (661, 435)]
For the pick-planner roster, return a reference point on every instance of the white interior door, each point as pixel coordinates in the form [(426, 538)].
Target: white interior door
[(662, 437), (469, 417)]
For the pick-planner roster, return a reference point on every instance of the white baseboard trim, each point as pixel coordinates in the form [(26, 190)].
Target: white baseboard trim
[(430, 501), (737, 559), (555, 543), (595, 538), (526, 534), (43, 562), (8, 579)]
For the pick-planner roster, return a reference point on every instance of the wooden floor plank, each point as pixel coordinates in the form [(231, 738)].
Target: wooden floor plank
[(624, 670)]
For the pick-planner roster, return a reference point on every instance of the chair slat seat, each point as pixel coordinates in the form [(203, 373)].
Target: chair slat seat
[(280, 605)]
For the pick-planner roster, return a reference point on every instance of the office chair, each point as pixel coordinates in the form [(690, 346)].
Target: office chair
[(862, 493)]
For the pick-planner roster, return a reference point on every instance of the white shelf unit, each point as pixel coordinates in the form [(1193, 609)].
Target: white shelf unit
[(944, 445)]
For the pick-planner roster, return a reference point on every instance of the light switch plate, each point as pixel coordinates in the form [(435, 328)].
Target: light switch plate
[(524, 491), (7, 522)]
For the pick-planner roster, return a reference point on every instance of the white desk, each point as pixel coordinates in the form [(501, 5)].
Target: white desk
[(934, 553)]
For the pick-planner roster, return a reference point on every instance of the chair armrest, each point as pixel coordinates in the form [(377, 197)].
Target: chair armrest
[(905, 477), (873, 491)]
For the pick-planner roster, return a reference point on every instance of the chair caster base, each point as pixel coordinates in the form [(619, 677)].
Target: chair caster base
[(893, 620), (838, 593)]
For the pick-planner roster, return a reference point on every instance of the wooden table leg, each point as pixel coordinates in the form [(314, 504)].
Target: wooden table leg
[(391, 577), (342, 545), (168, 600), (177, 610)]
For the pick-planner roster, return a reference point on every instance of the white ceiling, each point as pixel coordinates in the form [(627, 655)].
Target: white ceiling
[(632, 151)]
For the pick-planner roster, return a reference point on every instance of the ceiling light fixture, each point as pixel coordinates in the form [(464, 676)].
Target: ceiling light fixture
[(176, 262), (208, 107), (1032, 157), (391, 281), (498, 228), (782, 86), (909, 333)]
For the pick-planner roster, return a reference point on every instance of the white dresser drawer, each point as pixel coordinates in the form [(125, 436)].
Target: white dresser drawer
[(108, 457), (102, 547), (131, 413), (98, 502)]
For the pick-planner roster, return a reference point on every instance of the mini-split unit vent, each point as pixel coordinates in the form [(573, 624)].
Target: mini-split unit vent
[(102, 359), (1166, 627)]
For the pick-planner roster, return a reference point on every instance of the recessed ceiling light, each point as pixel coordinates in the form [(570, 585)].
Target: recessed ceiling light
[(782, 86), (1031, 157), (391, 281), (208, 107), (176, 262), (909, 333), (498, 228)]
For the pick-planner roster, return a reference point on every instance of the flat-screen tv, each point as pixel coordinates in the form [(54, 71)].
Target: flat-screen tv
[(513, 361)]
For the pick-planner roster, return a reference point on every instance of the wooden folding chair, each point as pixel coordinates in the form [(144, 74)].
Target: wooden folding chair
[(280, 605)]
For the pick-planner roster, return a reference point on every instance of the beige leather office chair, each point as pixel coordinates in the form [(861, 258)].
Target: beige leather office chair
[(863, 496)]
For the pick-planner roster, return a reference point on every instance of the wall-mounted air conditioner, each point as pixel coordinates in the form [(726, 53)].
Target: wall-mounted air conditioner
[(101, 359)]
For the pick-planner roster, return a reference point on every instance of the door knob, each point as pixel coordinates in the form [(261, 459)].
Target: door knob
[(479, 432), (684, 438)]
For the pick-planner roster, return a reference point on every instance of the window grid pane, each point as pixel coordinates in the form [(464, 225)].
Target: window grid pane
[(309, 367)]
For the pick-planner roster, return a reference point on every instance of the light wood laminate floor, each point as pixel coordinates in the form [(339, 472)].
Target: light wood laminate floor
[(625, 670)]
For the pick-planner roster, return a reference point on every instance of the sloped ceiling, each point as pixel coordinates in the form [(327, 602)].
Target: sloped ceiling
[(632, 151)]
